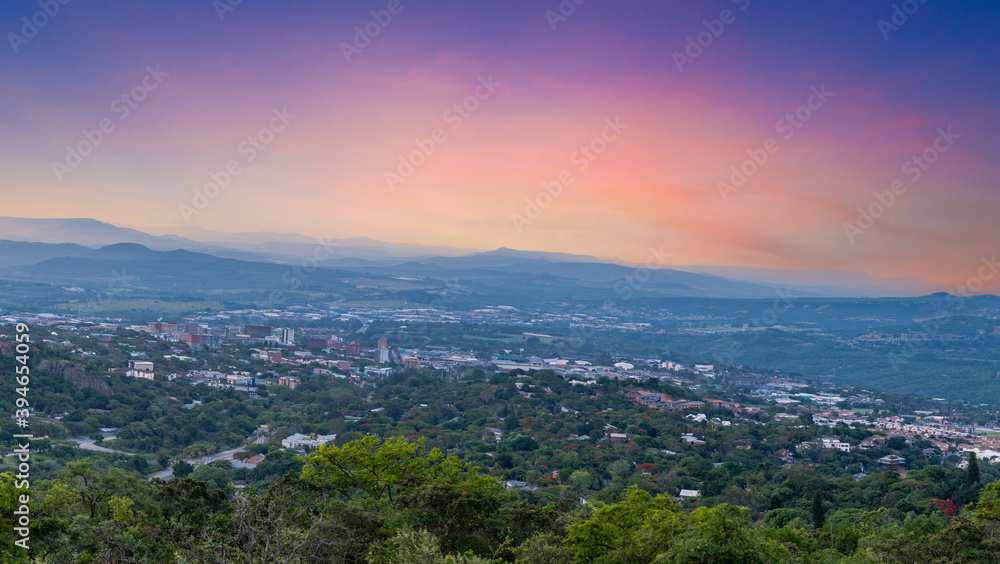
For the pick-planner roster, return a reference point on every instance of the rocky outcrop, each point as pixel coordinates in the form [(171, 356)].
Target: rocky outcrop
[(72, 373), (75, 374)]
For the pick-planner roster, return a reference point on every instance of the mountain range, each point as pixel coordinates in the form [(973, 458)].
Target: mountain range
[(85, 251)]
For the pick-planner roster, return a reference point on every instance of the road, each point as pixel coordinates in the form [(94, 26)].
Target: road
[(88, 444), (227, 455)]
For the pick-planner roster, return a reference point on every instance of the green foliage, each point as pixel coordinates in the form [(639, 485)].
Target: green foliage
[(380, 468), (182, 468), (644, 528), (417, 547), (819, 515), (972, 472)]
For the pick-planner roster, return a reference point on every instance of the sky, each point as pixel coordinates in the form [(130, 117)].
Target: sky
[(857, 135)]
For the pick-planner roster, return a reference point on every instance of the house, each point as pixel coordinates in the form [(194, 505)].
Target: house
[(298, 440), (875, 441), (742, 444), (620, 437), (140, 369), (691, 440), (690, 494), (653, 400), (836, 443), (723, 403), (892, 460), (784, 454), (518, 484), (497, 433)]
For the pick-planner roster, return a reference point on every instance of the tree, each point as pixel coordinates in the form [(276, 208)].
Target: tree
[(182, 468), (416, 547), (189, 501), (972, 473), (581, 480), (380, 469), (819, 516), (643, 529)]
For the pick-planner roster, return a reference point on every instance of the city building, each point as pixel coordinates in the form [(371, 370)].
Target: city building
[(290, 381), (286, 335), (140, 369), (258, 331), (298, 440)]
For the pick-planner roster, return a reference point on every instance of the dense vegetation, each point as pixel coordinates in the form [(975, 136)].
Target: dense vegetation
[(471, 465), (396, 501)]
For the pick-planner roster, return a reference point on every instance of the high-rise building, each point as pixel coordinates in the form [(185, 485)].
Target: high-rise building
[(383, 343), (381, 355), (287, 335), (258, 331)]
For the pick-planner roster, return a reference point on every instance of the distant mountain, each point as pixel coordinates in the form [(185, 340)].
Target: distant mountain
[(824, 282), (394, 259), (484, 277), (19, 253), (544, 255), (294, 244), (92, 233), (81, 231)]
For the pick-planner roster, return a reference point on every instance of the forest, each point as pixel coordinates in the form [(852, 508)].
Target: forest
[(476, 466)]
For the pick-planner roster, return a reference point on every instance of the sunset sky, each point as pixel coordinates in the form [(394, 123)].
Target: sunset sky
[(891, 92)]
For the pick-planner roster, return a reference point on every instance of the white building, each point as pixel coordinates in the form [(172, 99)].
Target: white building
[(706, 369), (285, 335), (298, 440), (836, 443), (140, 369)]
